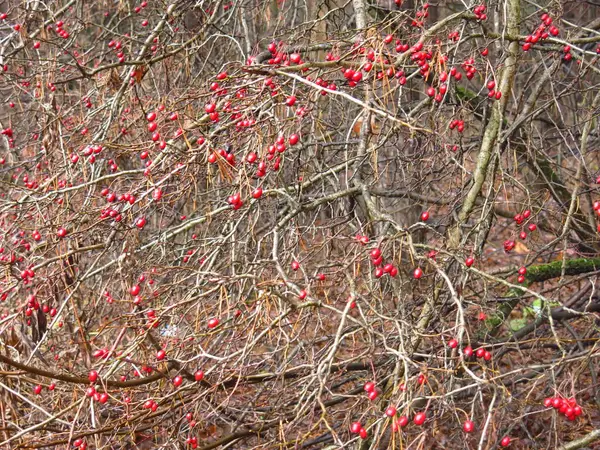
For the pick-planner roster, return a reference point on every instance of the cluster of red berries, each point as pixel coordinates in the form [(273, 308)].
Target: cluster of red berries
[(80, 444), (458, 124), (364, 240), (192, 441), (8, 132), (568, 407), (371, 390), (443, 88), (469, 68), (522, 273), (492, 93), (377, 260), (420, 57), (150, 404), (479, 12), (509, 244), (59, 30), (243, 123), (522, 217), (279, 57), (468, 351), (325, 84), (357, 428), (423, 13), (331, 57), (402, 421), (353, 77), (211, 110), (97, 396), (90, 151), (542, 32)]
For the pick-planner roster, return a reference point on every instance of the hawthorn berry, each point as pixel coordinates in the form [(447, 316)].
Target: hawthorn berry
[(419, 418), (468, 426)]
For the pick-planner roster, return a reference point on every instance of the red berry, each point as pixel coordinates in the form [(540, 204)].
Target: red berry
[(140, 222), (505, 442), (418, 273), (468, 426), (403, 421), (390, 411), (199, 375), (363, 433), (452, 343), (177, 381), (213, 323), (420, 418), (468, 351), (369, 386), (425, 216), (469, 261), (92, 376)]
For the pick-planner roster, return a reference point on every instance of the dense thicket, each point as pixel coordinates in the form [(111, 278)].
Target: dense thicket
[(286, 224)]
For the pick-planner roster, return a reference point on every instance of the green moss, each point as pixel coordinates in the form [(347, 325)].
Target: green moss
[(544, 272)]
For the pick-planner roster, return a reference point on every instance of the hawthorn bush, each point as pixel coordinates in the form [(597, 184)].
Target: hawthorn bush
[(299, 225)]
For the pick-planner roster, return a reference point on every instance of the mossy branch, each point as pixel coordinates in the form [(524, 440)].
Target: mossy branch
[(539, 273)]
